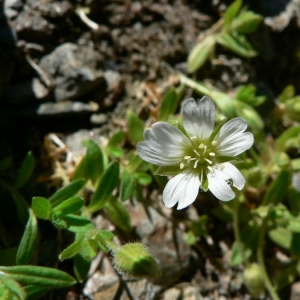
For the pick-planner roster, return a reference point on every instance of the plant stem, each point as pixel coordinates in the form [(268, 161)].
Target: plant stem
[(261, 261), (236, 229)]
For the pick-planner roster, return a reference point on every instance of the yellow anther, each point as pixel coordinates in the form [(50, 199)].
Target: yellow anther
[(201, 146), (214, 143), (181, 166), (212, 154), (193, 138), (187, 157)]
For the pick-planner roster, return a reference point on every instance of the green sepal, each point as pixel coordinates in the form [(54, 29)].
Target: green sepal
[(135, 127)]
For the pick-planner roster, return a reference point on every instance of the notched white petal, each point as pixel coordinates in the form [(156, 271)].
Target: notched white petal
[(236, 144), (155, 157), (232, 140), (182, 189), (221, 178), (199, 118)]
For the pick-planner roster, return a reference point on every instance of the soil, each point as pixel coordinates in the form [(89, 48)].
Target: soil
[(64, 79)]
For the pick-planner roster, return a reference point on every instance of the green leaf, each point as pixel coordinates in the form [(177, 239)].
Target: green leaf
[(29, 240), (73, 249), (246, 22), (237, 257), (296, 164), (248, 113), (25, 171), (288, 139), (118, 214), (293, 200), (143, 178), (168, 105), (42, 208), (281, 236), (126, 186), (89, 251), (35, 292), (66, 192), (277, 189), (238, 44), (135, 162), (231, 12), (201, 52), (135, 127), (113, 148), (81, 171), (292, 108), (105, 188), (286, 276), (77, 224), (94, 161), (5, 163), (21, 206), (69, 206), (10, 289), (81, 267), (247, 94), (287, 93), (41, 276)]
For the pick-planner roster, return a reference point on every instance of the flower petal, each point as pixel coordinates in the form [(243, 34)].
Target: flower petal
[(164, 145), (199, 118), (221, 178), (183, 188), (232, 140), (154, 157)]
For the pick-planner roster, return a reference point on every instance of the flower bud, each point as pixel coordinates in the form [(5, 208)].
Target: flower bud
[(135, 259), (253, 279)]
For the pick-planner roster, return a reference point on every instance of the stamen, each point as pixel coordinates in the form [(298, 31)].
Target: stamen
[(196, 163), (210, 168), (212, 154), (214, 143), (201, 146), (189, 160), (187, 157), (197, 152), (193, 138), (209, 161), (181, 166)]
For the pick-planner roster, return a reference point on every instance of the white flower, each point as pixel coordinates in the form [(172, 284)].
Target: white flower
[(201, 156)]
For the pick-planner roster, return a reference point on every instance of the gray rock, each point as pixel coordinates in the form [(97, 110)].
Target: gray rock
[(50, 110), (104, 283), (74, 70), (31, 26), (12, 8)]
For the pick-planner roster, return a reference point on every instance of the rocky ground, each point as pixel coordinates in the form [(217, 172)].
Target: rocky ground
[(68, 75)]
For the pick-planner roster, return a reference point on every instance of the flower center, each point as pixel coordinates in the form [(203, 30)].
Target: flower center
[(201, 155)]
